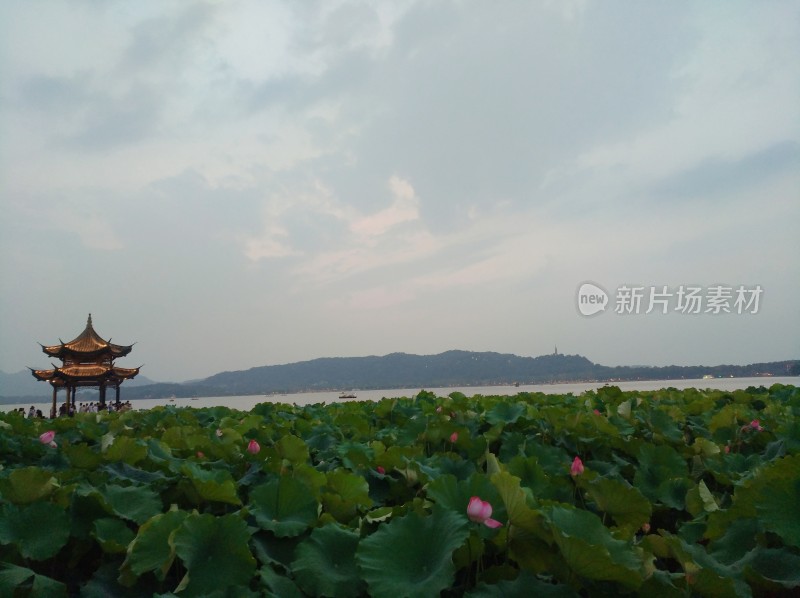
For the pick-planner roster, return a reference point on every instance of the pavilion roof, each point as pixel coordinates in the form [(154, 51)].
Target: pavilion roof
[(77, 373), (87, 343)]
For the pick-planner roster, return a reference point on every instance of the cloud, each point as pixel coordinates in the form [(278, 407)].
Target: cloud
[(404, 208)]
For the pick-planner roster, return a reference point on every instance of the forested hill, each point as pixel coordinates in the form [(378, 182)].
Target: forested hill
[(452, 368), (402, 370)]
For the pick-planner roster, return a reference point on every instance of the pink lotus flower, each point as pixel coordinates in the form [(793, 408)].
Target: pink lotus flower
[(755, 425), (201, 455), (47, 437), (480, 511), (577, 467), (646, 528), (596, 412), (253, 447), (454, 437), (380, 470)]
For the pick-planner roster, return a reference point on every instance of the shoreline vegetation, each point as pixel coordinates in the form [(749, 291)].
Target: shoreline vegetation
[(667, 492), (402, 370)]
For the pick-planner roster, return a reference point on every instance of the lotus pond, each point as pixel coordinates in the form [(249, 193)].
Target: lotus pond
[(664, 493)]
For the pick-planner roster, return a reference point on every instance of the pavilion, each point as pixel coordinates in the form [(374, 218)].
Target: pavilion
[(86, 361)]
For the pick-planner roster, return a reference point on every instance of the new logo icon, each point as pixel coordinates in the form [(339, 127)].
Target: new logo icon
[(591, 299)]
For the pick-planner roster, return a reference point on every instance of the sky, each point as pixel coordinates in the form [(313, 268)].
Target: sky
[(238, 184)]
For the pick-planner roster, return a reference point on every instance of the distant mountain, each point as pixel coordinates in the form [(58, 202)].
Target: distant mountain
[(403, 370), (452, 368), (23, 384)]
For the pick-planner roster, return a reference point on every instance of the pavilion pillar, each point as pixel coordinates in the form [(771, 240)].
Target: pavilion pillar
[(102, 395), (54, 408), (66, 400), (117, 401)]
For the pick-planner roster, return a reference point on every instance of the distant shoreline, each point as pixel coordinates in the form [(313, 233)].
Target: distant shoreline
[(246, 402), (610, 381)]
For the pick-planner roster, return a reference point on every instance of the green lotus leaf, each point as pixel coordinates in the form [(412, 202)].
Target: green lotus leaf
[(699, 500), (28, 484), (778, 499), (126, 449), (355, 456), (278, 585), (213, 485), (151, 550), (112, 535), (542, 484), (293, 449), (310, 477), (82, 456), (449, 493), (769, 495), (21, 581), (524, 586), (553, 460), (412, 556), (664, 426), (739, 539), (136, 503), (705, 447), (624, 409), (284, 506), (708, 576), (184, 438), (505, 413), (776, 565), (662, 475), (346, 493), (38, 531), (268, 548), (325, 563), (520, 515), (626, 505), (125, 473), (159, 452), (591, 551), (215, 552)]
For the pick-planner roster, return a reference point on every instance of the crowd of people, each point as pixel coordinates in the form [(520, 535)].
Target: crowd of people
[(92, 407)]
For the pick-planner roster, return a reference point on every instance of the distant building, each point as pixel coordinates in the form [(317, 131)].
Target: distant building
[(86, 361)]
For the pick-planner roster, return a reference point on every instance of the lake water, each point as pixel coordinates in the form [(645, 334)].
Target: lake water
[(245, 403)]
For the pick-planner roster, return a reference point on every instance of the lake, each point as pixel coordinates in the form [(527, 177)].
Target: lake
[(245, 403)]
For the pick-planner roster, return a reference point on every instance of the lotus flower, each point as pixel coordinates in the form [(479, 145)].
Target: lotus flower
[(253, 447), (47, 437), (380, 470), (201, 455), (454, 437), (577, 467), (219, 433), (755, 425), (439, 409), (596, 412), (646, 528), (480, 511)]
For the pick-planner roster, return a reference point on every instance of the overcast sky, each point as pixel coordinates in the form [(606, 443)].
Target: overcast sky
[(235, 184)]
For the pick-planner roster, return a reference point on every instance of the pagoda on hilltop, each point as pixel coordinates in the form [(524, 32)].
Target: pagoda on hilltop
[(86, 361)]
